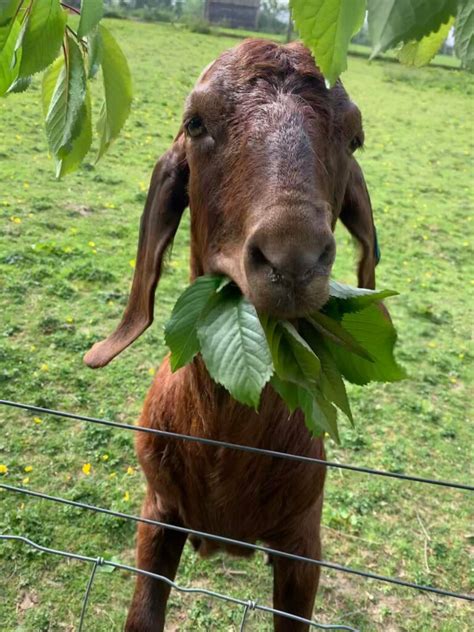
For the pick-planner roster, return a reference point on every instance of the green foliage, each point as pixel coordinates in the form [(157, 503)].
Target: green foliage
[(7, 20), (465, 33), (9, 61), (233, 347), (64, 91), (117, 91), (181, 329), (45, 23), (371, 329), (242, 350), (419, 53), (31, 38), (91, 14), (326, 27), (398, 21)]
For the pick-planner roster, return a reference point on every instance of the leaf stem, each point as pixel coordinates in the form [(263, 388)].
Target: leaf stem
[(69, 8)]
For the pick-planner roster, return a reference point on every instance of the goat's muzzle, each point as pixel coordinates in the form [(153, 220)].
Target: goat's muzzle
[(287, 265)]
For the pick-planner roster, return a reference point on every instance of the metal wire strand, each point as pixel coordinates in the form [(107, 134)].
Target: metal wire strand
[(248, 545), (236, 446), (201, 591), (250, 605), (85, 601)]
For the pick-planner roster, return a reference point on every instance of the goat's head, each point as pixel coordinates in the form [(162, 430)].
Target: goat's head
[(264, 159)]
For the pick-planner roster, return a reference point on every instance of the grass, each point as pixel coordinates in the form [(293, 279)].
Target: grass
[(65, 267)]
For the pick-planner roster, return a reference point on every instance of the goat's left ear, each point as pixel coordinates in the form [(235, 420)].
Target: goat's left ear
[(167, 198), (356, 215)]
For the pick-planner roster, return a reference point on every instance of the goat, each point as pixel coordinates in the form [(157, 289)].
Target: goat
[(264, 158)]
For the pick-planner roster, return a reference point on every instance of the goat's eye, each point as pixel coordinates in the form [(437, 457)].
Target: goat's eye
[(195, 127), (355, 143)]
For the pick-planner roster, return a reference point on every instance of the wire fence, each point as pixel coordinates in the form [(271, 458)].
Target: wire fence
[(248, 605)]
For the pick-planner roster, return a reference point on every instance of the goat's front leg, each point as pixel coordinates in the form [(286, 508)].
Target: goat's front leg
[(295, 583), (158, 551)]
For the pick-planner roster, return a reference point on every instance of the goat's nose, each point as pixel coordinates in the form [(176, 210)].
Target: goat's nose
[(291, 260)]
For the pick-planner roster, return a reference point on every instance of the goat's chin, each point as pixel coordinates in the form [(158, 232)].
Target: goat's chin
[(287, 303)]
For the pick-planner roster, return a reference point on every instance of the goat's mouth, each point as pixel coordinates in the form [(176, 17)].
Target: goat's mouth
[(289, 301), (275, 296)]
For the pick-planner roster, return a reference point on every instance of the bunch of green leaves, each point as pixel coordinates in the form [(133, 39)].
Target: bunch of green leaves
[(49, 36), (305, 361), (417, 28)]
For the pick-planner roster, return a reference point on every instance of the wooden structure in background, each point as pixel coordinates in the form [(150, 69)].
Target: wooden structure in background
[(233, 13)]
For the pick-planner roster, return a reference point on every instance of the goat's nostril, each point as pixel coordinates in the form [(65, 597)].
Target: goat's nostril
[(326, 258), (258, 258)]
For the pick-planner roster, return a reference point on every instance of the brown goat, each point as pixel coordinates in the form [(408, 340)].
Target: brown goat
[(264, 159)]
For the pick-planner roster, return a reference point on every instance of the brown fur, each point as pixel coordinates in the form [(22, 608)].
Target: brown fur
[(267, 182)]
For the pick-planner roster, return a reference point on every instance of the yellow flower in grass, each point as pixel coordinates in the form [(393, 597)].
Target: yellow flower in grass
[(126, 497), (26, 480), (37, 420), (3, 469), (44, 367), (130, 470), (151, 371), (86, 469), (105, 457), (28, 468)]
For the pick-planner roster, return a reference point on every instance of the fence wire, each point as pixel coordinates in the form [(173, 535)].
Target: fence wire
[(236, 446), (255, 547), (100, 561), (248, 605)]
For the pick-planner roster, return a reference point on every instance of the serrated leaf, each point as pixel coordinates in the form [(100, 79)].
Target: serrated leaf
[(43, 36), (365, 296), (8, 9), (50, 79), (421, 53), (345, 299), (20, 84), (464, 35), (394, 21), (181, 329), (332, 330), (80, 145), (319, 414), (91, 14), (371, 329), (9, 61), (326, 27), (293, 358), (288, 391), (117, 91), (234, 347), (331, 382), (63, 96), (94, 52)]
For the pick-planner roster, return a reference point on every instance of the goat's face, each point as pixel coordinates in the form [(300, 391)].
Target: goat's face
[(269, 150), (264, 159)]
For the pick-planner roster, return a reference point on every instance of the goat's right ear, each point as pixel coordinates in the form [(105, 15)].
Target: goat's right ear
[(167, 198), (356, 215)]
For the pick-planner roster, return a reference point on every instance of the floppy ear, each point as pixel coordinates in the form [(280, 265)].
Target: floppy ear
[(356, 215), (167, 198)]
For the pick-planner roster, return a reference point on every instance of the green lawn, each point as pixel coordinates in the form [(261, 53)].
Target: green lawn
[(65, 269)]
